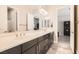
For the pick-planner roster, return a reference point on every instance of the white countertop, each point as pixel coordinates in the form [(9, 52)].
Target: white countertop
[(9, 40)]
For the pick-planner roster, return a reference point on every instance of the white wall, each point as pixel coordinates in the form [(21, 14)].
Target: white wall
[(55, 26), (3, 19), (30, 21), (22, 20), (63, 15)]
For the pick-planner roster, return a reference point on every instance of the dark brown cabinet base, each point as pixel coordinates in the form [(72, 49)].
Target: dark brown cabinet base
[(32, 50), (15, 50), (37, 46)]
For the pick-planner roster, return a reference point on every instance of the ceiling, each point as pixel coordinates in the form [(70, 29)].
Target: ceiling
[(34, 8)]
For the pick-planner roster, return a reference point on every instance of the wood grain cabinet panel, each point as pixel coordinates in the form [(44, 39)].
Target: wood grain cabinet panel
[(15, 50), (32, 50), (28, 45), (43, 45)]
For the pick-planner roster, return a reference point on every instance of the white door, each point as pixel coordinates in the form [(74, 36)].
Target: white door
[(72, 28)]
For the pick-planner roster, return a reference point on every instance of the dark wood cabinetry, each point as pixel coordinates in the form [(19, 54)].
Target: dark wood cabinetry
[(31, 50), (30, 47), (37, 46), (45, 44), (14, 50), (41, 46), (51, 38)]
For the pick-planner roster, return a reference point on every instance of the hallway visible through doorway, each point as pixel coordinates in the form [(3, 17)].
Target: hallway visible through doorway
[(64, 27)]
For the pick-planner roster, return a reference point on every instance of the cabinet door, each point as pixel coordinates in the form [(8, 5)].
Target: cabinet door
[(15, 50), (32, 50), (42, 45), (52, 37), (46, 46), (49, 39)]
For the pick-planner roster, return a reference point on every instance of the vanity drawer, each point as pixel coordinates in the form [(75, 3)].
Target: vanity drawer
[(29, 44), (32, 50)]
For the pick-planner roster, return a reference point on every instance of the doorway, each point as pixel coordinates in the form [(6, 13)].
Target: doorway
[(64, 29), (12, 20)]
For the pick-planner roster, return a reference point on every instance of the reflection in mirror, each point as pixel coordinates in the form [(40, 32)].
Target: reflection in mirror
[(42, 23), (51, 24), (36, 23), (48, 23), (12, 20), (45, 24)]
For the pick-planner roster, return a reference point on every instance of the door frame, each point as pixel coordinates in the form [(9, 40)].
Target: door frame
[(75, 29)]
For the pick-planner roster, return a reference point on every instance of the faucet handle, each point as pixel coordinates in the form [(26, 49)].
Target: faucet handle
[(16, 35)]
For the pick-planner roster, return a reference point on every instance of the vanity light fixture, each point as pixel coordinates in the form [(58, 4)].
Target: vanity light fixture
[(43, 11)]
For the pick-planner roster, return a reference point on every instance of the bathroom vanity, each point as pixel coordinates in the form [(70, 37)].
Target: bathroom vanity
[(36, 45)]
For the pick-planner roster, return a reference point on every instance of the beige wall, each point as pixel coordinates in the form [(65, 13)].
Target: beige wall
[(21, 17), (55, 26), (12, 21), (3, 19)]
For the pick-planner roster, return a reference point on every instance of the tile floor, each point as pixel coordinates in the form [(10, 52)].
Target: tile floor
[(62, 47)]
